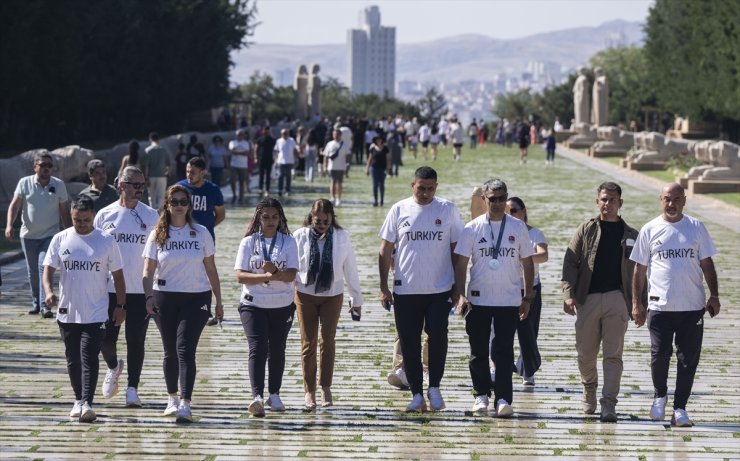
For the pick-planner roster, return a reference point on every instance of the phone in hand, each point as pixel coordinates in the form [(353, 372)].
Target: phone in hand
[(388, 305), (355, 316)]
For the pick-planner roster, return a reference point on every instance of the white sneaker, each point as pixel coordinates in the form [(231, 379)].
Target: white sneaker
[(87, 414), (657, 411), (503, 408), (339, 202), (274, 402), (398, 379), (681, 418), (257, 408), (173, 403), (435, 399), (184, 415), (418, 404), (528, 381), (110, 384), (76, 409), (481, 404), (132, 397)]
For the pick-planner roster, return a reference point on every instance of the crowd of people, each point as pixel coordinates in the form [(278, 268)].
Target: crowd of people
[(123, 262)]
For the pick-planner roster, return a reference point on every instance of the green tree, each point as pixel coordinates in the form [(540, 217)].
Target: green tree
[(94, 70), (556, 102), (693, 47), (518, 105), (433, 105)]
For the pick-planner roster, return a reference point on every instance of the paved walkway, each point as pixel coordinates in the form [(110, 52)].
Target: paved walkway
[(367, 421)]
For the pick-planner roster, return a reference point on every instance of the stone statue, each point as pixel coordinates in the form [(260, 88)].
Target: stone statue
[(600, 100), (314, 91), (614, 142), (724, 158), (300, 86), (656, 148), (581, 98), (585, 136)]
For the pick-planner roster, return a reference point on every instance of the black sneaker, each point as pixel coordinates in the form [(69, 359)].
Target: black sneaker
[(212, 321), (35, 310), (48, 314)]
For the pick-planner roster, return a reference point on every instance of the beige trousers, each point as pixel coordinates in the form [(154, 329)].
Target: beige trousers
[(314, 312), (602, 321)]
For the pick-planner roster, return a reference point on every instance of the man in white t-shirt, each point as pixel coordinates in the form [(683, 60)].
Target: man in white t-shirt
[(456, 135), (674, 251), (130, 221), (285, 153), (240, 152), (424, 229), (499, 247), (335, 162)]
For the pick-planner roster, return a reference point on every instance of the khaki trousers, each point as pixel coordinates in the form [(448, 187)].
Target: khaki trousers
[(314, 311), (602, 320), (398, 357)]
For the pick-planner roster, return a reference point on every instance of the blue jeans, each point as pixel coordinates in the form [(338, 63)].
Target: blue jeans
[(35, 251), (286, 172), (378, 184)]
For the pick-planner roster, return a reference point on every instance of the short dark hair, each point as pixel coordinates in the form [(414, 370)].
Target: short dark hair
[(42, 155), (425, 172), (197, 162), (154, 136), (94, 163), (610, 186), (83, 203)]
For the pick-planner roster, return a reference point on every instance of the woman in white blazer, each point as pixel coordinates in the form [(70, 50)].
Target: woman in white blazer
[(326, 261)]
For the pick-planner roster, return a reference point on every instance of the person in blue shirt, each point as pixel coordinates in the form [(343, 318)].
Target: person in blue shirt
[(208, 201)]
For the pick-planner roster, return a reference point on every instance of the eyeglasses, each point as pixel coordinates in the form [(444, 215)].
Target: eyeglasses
[(514, 210), (45, 165), (497, 199), (136, 185), (138, 219), (321, 222), (182, 202)]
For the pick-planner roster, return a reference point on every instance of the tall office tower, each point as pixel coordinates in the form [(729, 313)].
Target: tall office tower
[(372, 55)]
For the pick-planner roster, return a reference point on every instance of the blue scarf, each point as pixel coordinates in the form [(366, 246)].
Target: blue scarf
[(320, 265)]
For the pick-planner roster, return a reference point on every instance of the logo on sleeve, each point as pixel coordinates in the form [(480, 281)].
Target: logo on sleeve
[(66, 252), (109, 225), (483, 240), (405, 222)]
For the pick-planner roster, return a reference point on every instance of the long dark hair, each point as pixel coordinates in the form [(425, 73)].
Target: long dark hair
[(162, 231), (322, 205), (255, 225)]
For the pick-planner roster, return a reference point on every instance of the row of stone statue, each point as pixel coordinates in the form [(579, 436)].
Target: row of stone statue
[(307, 101), (719, 160), (591, 106)]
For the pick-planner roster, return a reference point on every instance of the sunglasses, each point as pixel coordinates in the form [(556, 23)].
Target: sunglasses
[(515, 210), (45, 165), (136, 185), (183, 202), (499, 199)]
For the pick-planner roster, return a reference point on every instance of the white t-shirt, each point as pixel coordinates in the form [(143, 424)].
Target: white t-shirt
[(501, 287), (672, 252), (340, 161), (456, 133), (285, 149), (239, 161), (180, 265), (536, 237), (251, 258), (423, 235), (424, 133), (84, 263), (130, 228)]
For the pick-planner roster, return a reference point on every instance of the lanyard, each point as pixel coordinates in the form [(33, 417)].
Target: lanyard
[(267, 254), (497, 247)]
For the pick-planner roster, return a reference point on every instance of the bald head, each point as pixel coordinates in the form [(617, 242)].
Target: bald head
[(672, 201)]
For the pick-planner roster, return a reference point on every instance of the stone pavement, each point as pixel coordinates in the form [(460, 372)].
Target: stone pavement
[(367, 420)]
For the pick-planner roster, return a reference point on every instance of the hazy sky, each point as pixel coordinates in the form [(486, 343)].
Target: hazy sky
[(310, 22)]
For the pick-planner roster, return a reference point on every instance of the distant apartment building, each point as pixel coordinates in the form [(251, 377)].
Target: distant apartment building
[(372, 55)]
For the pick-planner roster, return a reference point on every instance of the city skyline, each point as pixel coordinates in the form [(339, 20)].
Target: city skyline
[(309, 24)]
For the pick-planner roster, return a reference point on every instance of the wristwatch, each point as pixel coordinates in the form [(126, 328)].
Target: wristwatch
[(121, 306)]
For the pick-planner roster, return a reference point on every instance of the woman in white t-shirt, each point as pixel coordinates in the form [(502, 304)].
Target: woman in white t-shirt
[(240, 162), (84, 256), (529, 359), (326, 262), (180, 277), (266, 266)]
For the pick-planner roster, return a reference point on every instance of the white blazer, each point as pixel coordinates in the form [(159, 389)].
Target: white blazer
[(345, 265)]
